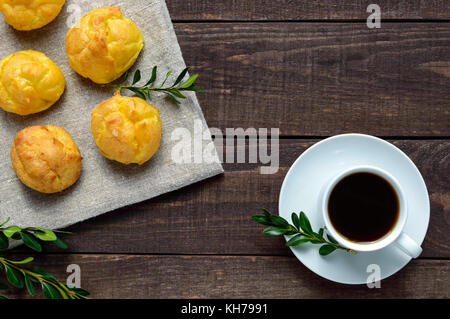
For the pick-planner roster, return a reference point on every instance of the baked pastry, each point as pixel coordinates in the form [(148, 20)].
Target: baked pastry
[(45, 158), (103, 45), (25, 15), (126, 129), (29, 82)]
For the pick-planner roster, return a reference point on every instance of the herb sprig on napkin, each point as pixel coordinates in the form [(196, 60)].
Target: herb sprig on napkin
[(174, 91)]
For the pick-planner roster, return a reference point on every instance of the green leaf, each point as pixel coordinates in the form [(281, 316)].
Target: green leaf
[(49, 291), (173, 98), (124, 78), (274, 231), (326, 250), (11, 230), (16, 236), (137, 92), (34, 279), (3, 286), (297, 240), (194, 89), (279, 221), (29, 285), (14, 277), (21, 262), (189, 81), (81, 291), (3, 297), (177, 93), (295, 220), (261, 219), (165, 80), (181, 76), (31, 241), (305, 224), (331, 239), (43, 234), (5, 222), (43, 273), (321, 233), (266, 213), (4, 243), (136, 77), (60, 243), (153, 77)]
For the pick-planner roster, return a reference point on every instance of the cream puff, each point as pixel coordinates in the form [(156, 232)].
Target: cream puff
[(45, 158), (25, 15), (29, 82), (126, 129), (103, 45)]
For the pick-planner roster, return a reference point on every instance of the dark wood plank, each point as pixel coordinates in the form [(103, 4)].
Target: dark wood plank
[(213, 217), (304, 10), (138, 276), (323, 79)]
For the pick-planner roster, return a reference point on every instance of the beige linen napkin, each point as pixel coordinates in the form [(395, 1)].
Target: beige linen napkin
[(104, 185)]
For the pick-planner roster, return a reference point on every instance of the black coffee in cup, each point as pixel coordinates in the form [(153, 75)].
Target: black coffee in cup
[(363, 207)]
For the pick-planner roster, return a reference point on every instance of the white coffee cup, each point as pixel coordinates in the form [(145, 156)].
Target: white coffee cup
[(396, 236)]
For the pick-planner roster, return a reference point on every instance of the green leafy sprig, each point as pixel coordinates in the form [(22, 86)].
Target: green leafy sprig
[(31, 236), (20, 277), (173, 92), (300, 229)]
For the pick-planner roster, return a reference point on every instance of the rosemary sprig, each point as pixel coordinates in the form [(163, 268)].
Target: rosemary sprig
[(21, 277), (173, 91), (300, 229)]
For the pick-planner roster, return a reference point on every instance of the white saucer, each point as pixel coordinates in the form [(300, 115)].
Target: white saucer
[(316, 166)]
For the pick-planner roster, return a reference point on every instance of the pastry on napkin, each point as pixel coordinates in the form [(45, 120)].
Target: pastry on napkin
[(104, 185), (26, 15)]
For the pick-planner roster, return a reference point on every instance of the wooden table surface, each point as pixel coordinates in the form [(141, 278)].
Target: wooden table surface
[(312, 69)]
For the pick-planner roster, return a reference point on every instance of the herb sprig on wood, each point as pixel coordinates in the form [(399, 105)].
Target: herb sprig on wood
[(21, 277), (174, 91), (31, 236), (27, 277), (300, 229)]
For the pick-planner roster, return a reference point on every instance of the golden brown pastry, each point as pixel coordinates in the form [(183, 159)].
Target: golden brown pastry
[(45, 158), (25, 15), (103, 45), (29, 82), (126, 129)]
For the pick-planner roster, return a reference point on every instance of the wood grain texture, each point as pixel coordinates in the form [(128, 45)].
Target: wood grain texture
[(134, 276), (314, 78), (213, 216), (439, 67), (251, 10), (322, 79)]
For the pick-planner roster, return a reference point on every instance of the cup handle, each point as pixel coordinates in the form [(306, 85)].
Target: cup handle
[(408, 245)]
